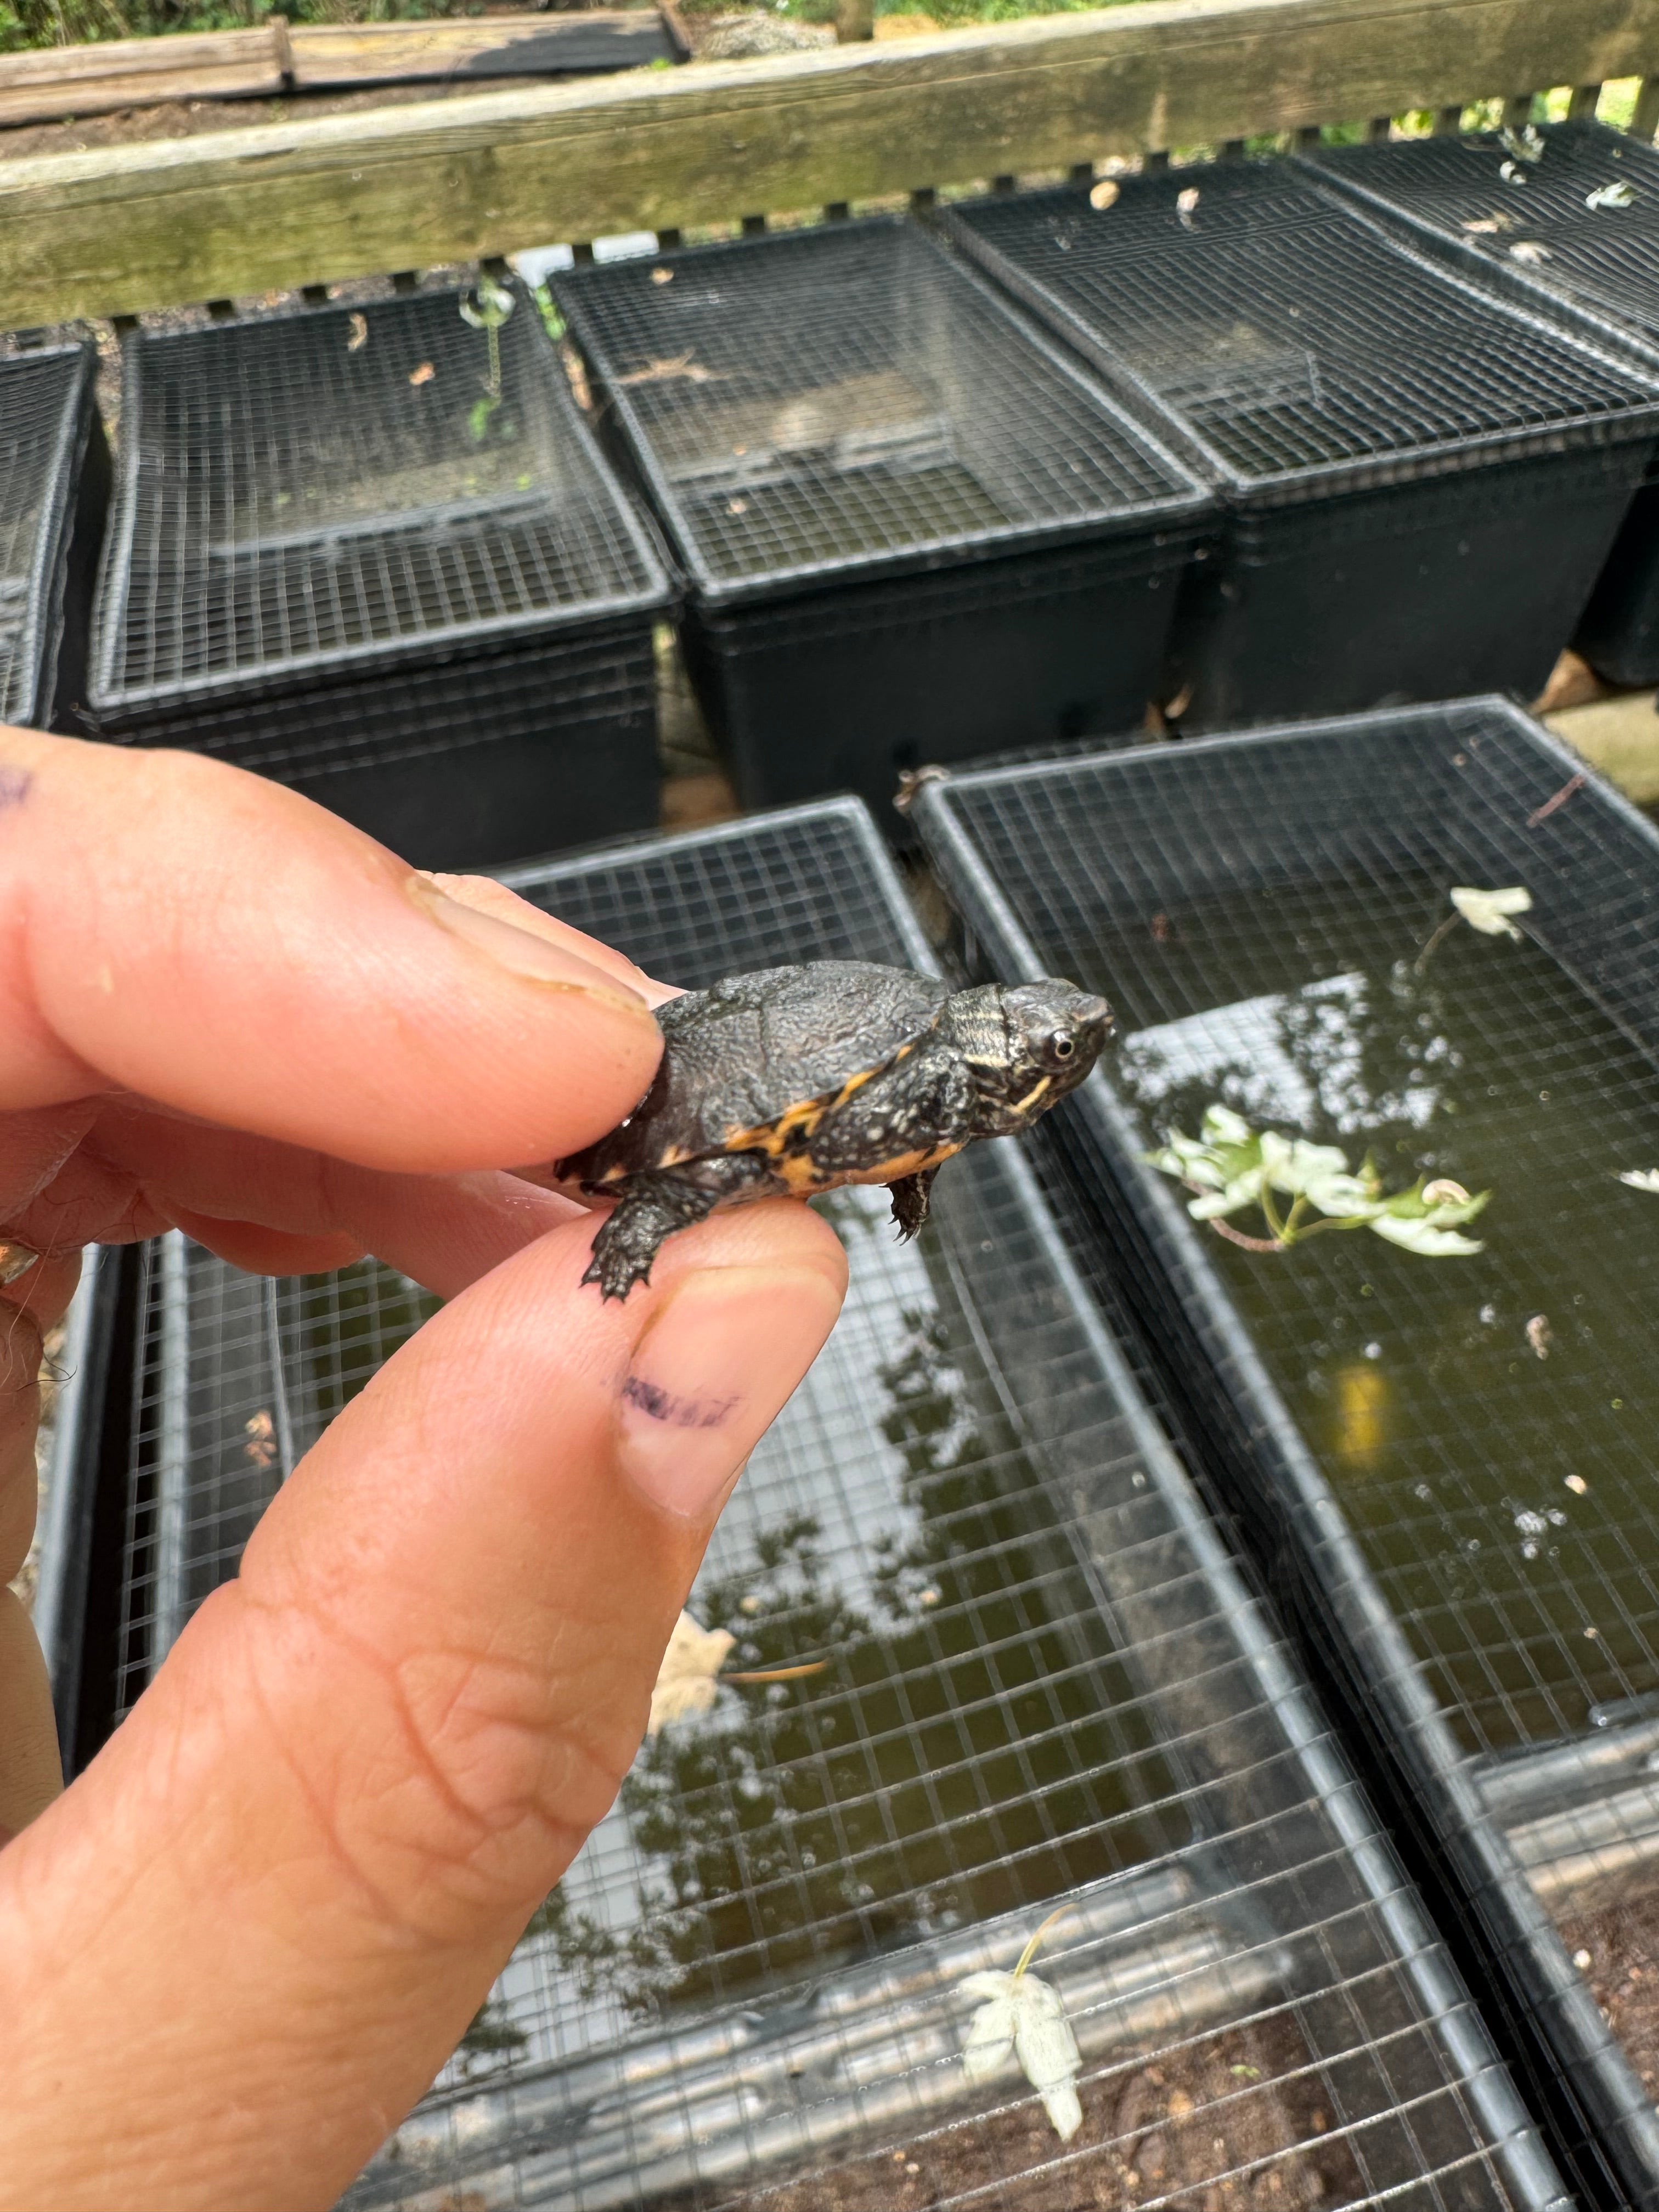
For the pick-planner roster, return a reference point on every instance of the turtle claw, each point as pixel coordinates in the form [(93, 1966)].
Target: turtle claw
[(649, 1208)]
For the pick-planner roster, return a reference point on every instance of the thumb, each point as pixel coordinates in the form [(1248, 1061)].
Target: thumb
[(250, 1935)]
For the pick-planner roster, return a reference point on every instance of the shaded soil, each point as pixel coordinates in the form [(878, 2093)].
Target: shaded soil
[(1622, 1969), (1238, 2123), (189, 119)]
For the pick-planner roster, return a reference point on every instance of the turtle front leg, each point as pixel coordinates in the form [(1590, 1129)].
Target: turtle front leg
[(911, 1194), (649, 1208)]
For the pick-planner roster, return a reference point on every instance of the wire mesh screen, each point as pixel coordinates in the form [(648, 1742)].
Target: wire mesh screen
[(1285, 328), (45, 407), (1464, 1443), (1045, 1688), (823, 399), (302, 490), (1572, 211)]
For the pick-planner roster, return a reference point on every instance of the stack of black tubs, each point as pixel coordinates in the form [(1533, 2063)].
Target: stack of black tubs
[(54, 485), (1041, 1683), (1422, 479), (1567, 215), (912, 532), (374, 552), (1448, 1460)]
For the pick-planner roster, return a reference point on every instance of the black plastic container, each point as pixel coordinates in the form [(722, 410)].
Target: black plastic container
[(54, 486), (1396, 445), (1520, 206), (1433, 1453), (375, 553), (1047, 1683), (913, 532)]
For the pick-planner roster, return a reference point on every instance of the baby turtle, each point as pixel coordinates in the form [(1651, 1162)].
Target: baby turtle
[(791, 1080)]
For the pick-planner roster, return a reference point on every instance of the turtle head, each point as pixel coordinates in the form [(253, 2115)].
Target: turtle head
[(1026, 1045)]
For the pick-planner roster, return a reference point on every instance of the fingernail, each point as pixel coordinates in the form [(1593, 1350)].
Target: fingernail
[(15, 1259), (519, 950), (711, 1374)]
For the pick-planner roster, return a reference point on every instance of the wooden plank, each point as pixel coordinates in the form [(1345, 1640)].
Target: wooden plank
[(99, 79), (102, 78), (130, 228), (334, 56)]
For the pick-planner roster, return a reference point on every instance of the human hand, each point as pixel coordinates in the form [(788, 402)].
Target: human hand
[(239, 1947)]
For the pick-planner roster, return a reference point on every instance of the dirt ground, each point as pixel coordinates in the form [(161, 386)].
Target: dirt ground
[(1234, 2123), (1617, 1950)]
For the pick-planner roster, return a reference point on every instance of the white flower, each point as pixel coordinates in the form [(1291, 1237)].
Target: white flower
[(1489, 911), (1610, 195), (1023, 2016), (1641, 1178)]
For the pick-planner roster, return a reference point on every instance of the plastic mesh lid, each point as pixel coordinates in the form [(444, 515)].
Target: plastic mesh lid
[(42, 396), (1288, 332), (1257, 912), (1533, 215), (840, 398), (306, 488), (1045, 1684)]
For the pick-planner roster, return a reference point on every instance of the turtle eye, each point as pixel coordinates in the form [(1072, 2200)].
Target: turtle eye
[(1061, 1045)]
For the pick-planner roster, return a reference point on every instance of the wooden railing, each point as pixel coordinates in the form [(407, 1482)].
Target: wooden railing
[(137, 226)]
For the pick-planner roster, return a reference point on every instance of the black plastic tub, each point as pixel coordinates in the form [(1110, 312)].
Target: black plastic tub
[(349, 553), (1447, 1462), (54, 488), (1395, 444), (1047, 1684), (1523, 206), (913, 532)]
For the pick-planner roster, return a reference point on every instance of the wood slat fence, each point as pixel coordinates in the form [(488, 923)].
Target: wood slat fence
[(125, 228)]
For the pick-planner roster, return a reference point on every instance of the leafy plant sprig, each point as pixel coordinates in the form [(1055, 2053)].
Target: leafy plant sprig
[(1231, 1168), (486, 310)]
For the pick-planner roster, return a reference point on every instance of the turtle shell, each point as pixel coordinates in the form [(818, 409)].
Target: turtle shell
[(754, 1049)]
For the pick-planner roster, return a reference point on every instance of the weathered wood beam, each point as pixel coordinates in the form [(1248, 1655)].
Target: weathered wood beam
[(145, 226), (118, 73)]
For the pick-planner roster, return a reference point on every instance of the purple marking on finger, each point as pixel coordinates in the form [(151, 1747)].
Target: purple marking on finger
[(15, 785), (679, 1413)]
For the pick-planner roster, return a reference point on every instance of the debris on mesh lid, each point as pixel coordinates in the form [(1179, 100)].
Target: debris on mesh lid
[(685, 1681), (689, 1676), (1538, 1335), (1577, 1484), (1023, 2016), (1525, 144), (1489, 911), (1582, 1960), (358, 338), (1512, 173), (1528, 249), (662, 276), (1619, 195), (1105, 194), (1488, 226), (260, 1431), (1185, 202), (1641, 1178), (489, 307), (422, 372)]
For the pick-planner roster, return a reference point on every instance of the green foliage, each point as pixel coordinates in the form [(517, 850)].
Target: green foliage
[(26, 23)]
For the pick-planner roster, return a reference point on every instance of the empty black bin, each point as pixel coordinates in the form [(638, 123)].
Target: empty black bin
[(54, 488), (1045, 1686), (1448, 1460), (913, 533), (1422, 479), (375, 553), (1569, 213)]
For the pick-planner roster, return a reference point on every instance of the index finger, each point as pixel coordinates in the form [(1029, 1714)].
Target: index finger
[(172, 927)]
